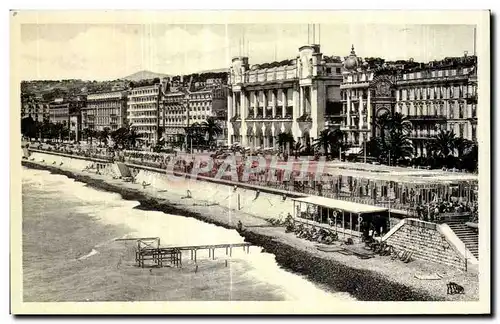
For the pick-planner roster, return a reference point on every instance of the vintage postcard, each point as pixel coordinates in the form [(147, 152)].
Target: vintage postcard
[(240, 162)]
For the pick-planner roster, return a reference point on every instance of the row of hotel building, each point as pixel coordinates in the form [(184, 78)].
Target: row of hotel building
[(301, 96), (155, 110)]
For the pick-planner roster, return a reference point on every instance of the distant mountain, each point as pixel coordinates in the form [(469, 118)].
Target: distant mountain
[(214, 71), (145, 75)]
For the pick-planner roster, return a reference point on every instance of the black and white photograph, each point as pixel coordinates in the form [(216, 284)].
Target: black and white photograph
[(330, 161)]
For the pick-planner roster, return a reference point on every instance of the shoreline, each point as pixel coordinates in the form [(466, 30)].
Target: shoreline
[(364, 281)]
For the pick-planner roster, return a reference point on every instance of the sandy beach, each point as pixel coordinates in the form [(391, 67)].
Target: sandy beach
[(379, 278)]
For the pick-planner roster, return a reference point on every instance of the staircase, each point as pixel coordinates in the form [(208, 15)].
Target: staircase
[(467, 235)]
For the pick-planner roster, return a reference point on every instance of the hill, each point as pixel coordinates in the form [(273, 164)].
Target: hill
[(145, 75)]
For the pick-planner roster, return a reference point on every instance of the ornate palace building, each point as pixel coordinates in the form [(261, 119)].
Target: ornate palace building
[(281, 97), (105, 109), (433, 96)]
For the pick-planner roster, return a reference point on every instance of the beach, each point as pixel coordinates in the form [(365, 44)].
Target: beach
[(379, 278), (70, 252)]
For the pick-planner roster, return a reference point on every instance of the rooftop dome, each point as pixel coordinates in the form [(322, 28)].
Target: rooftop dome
[(351, 62)]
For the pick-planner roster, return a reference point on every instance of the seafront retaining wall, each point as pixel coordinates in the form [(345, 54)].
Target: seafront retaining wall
[(258, 202), (430, 242), (334, 274)]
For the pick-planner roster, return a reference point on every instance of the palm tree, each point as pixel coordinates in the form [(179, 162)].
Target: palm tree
[(470, 158), (104, 135), (132, 137), (442, 144), (397, 122), (397, 147), (323, 141), (212, 127), (284, 139), (374, 148), (296, 148), (337, 143), (461, 145)]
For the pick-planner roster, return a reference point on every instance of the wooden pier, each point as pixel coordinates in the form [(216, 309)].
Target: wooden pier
[(149, 250)]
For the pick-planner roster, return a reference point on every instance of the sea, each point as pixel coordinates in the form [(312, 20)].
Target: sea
[(70, 252)]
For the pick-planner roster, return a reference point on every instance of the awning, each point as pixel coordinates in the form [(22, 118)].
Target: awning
[(346, 206)]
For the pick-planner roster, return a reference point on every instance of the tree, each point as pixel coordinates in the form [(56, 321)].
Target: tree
[(397, 122), (212, 127), (461, 145), (285, 139), (374, 148), (132, 137), (397, 147), (323, 141), (120, 137), (28, 127), (297, 147), (104, 135), (442, 144), (470, 158)]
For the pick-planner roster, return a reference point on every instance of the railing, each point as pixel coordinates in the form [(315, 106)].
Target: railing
[(274, 179), (457, 216)]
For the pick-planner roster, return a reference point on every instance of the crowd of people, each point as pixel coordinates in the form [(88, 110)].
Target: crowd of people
[(433, 210), (186, 163)]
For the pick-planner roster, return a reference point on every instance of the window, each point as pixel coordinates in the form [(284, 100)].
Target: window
[(338, 70), (461, 130), (461, 111), (328, 70)]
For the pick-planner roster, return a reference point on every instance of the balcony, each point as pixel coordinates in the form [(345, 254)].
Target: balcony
[(350, 127), (304, 118), (420, 136), (235, 118), (471, 98), (426, 118)]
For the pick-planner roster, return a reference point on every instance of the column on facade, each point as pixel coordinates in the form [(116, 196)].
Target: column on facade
[(256, 96), (229, 106), (264, 131), (243, 115), (296, 111), (309, 103), (348, 108), (274, 102), (273, 133), (285, 102), (369, 111), (264, 107), (301, 101), (360, 111)]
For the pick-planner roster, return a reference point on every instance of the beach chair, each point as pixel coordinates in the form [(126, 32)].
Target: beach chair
[(404, 255), (386, 250), (397, 255), (408, 258)]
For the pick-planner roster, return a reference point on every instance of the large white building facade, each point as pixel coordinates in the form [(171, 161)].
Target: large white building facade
[(143, 113), (281, 97), (193, 103), (433, 96), (105, 110)]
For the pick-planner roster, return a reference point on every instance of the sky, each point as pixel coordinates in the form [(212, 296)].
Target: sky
[(108, 52)]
